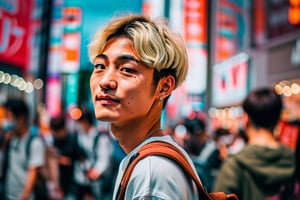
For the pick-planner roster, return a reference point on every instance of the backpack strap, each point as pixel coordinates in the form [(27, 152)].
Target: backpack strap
[(165, 149), (95, 145), (5, 160), (95, 148), (28, 145)]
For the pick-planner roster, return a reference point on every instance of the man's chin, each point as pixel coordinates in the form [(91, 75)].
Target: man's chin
[(104, 117)]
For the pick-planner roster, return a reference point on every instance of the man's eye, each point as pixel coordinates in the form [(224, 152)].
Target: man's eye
[(99, 66), (128, 70)]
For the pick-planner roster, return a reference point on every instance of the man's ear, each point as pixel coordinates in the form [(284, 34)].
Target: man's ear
[(165, 86)]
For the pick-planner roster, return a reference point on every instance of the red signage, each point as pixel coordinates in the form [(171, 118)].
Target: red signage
[(283, 17), (231, 28), (288, 134), (259, 22), (294, 12), (14, 32), (195, 21)]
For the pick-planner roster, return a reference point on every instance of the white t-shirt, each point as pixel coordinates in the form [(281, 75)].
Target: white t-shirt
[(99, 162), (156, 177), (19, 163)]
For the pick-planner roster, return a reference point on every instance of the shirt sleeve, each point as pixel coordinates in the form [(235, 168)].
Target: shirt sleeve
[(36, 153), (156, 178)]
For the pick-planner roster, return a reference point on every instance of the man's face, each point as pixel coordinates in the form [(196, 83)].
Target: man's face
[(60, 133), (9, 122), (121, 87)]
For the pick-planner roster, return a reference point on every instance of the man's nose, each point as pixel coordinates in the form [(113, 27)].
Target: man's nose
[(109, 80)]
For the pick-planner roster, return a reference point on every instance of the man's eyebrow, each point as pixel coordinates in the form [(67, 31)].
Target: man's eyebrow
[(128, 57), (121, 57), (102, 56)]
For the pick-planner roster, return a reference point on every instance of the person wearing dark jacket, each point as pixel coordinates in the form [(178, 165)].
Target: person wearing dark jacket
[(264, 165), (67, 151)]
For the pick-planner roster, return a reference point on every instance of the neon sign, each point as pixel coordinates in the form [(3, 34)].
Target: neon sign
[(14, 22)]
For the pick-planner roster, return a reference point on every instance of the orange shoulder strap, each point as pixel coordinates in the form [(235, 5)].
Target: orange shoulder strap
[(165, 149)]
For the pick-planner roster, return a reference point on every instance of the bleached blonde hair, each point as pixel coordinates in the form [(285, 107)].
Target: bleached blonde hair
[(156, 45)]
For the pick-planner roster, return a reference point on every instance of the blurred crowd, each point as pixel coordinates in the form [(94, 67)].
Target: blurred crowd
[(207, 149), (59, 163), (259, 160), (82, 163)]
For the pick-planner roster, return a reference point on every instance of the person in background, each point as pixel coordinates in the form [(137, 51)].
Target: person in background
[(236, 141), (211, 157), (138, 62), (197, 138), (200, 147), (20, 169), (223, 139), (260, 169), (67, 151), (98, 151)]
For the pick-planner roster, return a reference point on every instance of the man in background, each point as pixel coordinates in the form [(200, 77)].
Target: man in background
[(67, 151), (264, 165), (21, 162), (98, 150)]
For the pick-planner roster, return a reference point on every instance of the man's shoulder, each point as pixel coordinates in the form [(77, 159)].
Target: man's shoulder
[(158, 166), (35, 140), (34, 144), (156, 172)]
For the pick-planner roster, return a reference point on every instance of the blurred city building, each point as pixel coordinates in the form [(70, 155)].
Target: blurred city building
[(233, 46)]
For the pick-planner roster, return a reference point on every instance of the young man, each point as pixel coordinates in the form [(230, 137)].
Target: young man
[(263, 165), (138, 62), (21, 164)]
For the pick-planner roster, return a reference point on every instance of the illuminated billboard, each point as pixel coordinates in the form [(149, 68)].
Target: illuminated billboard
[(230, 81), (231, 28)]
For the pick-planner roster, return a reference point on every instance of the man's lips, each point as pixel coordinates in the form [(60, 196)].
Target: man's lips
[(107, 99)]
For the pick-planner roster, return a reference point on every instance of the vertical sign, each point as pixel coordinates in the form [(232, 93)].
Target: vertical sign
[(259, 22), (71, 39), (195, 36), (195, 21), (72, 17), (195, 18), (72, 90), (294, 12), (53, 93), (232, 28)]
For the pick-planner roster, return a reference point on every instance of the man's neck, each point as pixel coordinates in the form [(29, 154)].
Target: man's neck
[(131, 136), (261, 137), (22, 132)]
